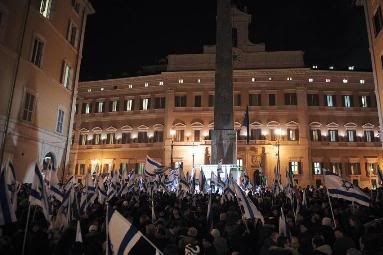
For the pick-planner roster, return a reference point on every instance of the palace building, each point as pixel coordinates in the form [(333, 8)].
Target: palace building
[(317, 118), (40, 57)]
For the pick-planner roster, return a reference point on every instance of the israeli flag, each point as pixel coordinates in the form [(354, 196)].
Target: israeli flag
[(248, 208), (7, 212), (38, 194), (152, 167), (340, 188), (126, 239)]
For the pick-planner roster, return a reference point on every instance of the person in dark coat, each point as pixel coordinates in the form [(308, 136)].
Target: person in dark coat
[(342, 243)]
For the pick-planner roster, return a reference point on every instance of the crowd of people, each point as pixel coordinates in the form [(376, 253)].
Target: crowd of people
[(180, 226)]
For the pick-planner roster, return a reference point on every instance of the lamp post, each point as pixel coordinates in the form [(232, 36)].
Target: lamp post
[(193, 153)]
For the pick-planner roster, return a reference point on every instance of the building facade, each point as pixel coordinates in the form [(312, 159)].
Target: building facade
[(40, 56), (317, 118), (374, 22)]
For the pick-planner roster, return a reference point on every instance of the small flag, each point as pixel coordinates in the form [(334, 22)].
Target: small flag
[(78, 233), (7, 213), (282, 225), (153, 167), (38, 194), (202, 182), (126, 239), (248, 208)]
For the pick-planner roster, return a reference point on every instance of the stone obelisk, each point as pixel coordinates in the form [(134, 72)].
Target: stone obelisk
[(224, 138)]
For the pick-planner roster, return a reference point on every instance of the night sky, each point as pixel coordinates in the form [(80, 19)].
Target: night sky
[(125, 35)]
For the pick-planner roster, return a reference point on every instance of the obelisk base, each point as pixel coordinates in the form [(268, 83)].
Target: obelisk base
[(224, 146)]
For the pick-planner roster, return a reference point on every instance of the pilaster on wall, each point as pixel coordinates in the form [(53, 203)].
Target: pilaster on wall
[(169, 118), (304, 141)]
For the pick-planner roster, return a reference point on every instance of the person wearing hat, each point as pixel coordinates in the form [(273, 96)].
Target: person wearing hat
[(190, 238)]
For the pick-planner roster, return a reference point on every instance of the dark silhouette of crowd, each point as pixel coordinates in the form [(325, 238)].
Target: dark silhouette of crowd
[(181, 226)]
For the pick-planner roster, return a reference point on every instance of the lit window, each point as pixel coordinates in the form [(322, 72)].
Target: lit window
[(28, 107), (161, 83), (333, 135), (289, 78), (311, 79), (89, 90), (60, 121), (328, 80), (363, 101), (351, 68), (37, 52), (146, 84), (102, 89), (253, 79), (100, 107), (292, 134), (180, 136), (368, 135), (114, 106), (145, 104), (199, 80), (180, 81), (315, 67), (294, 167), (331, 67), (345, 80), (45, 8), (270, 78), (317, 168), (315, 133), (66, 76), (361, 81), (129, 105), (130, 86), (330, 100), (347, 101), (351, 135), (87, 108)]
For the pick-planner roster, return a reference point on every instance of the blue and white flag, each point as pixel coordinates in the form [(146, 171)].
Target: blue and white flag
[(38, 194), (283, 230), (304, 198), (78, 233), (202, 181), (248, 208), (340, 188), (152, 167), (219, 167), (126, 239), (7, 212), (88, 194), (102, 192), (12, 184), (228, 192)]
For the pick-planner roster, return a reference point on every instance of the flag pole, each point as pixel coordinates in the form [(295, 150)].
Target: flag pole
[(329, 200), (107, 228), (26, 229), (247, 126)]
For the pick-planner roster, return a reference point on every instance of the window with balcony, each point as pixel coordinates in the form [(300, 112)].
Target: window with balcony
[(368, 136), (315, 135), (237, 100), (114, 106), (110, 138), (371, 168), (353, 168), (336, 168), (333, 135), (72, 34), (317, 168), (290, 99), (83, 139), (86, 108), (180, 101), (351, 135), (312, 99), (197, 135), (159, 103), (378, 21), (256, 134), (180, 135), (255, 100), (292, 134), (347, 101), (28, 108), (365, 101), (60, 121), (272, 99), (126, 138), (158, 136), (330, 100), (211, 101), (100, 106), (129, 105), (96, 139), (142, 137), (197, 101), (210, 134), (37, 51), (144, 104), (295, 167)]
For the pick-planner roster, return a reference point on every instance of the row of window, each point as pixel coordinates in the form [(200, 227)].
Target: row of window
[(350, 136), (125, 138), (254, 100), (336, 167)]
